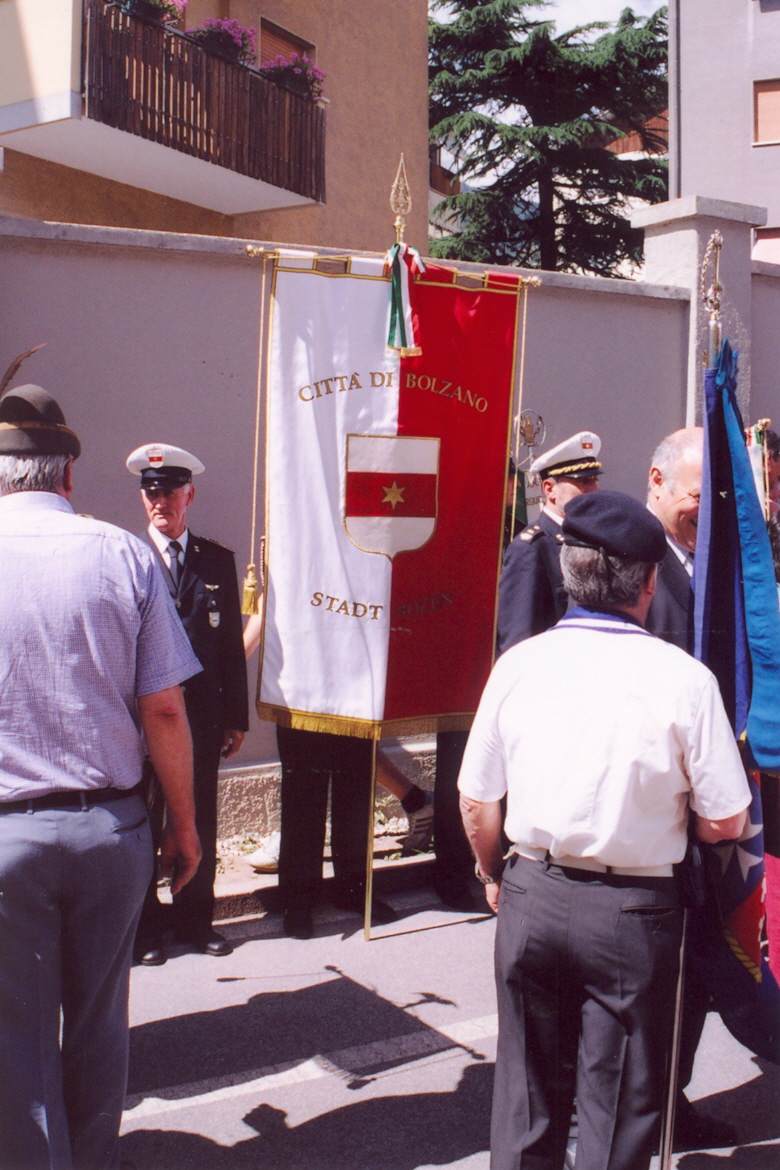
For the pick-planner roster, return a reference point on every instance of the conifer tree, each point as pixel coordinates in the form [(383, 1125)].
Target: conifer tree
[(528, 115)]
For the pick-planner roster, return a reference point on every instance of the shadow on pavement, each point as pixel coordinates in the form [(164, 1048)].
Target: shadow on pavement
[(356, 1029), (383, 1133)]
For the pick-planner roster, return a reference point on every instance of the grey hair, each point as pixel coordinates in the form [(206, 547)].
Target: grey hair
[(602, 582), (672, 451), (33, 473)]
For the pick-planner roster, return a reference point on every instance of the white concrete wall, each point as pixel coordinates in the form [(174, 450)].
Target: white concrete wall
[(155, 337), (41, 43), (726, 45)]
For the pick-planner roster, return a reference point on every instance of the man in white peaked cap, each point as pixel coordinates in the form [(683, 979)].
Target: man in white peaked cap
[(531, 596), (201, 579)]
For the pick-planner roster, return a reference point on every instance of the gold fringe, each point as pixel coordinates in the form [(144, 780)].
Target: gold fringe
[(249, 603), (363, 728)]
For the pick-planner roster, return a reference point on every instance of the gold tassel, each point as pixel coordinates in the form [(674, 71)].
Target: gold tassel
[(249, 604)]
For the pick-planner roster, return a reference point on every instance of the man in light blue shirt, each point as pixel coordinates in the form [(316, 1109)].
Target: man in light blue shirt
[(91, 658)]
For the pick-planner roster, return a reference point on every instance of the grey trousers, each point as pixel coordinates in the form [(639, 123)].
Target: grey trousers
[(586, 968), (72, 881)]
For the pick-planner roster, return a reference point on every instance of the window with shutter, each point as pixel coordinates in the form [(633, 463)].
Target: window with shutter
[(277, 42), (766, 111)]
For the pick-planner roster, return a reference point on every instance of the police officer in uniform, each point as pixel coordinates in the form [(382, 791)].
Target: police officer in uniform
[(201, 577), (531, 596)]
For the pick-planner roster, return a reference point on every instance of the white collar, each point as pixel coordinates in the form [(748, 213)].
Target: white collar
[(161, 542), (18, 501), (548, 511)]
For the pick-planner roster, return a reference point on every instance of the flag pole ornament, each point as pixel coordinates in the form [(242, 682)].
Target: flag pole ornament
[(712, 297), (737, 634), (404, 262)]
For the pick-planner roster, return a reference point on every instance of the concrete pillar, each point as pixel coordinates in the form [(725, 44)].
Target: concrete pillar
[(676, 238)]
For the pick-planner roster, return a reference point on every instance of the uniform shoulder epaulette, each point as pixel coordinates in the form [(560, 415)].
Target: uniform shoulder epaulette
[(218, 543), (532, 532)]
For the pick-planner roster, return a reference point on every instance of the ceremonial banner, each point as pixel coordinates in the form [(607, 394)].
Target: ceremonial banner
[(737, 634), (385, 490)]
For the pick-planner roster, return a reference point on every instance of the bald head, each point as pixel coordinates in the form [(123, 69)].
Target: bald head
[(674, 485)]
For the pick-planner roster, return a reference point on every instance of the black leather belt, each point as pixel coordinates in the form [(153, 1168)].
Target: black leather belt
[(82, 797)]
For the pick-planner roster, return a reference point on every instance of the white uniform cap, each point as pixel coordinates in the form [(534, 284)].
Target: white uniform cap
[(161, 465), (574, 457)]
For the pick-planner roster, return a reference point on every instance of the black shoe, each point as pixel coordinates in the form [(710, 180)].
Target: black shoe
[(297, 922), (696, 1131), (149, 952), (209, 942), (354, 900)]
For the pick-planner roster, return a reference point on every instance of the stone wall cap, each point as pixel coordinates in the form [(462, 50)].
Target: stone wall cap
[(695, 206)]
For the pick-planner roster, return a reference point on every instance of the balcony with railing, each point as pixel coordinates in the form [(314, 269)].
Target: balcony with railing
[(159, 112)]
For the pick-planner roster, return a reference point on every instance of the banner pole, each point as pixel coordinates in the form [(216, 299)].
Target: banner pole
[(670, 1101), (370, 849)]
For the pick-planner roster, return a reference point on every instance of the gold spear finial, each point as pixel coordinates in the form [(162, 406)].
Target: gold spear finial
[(712, 297), (400, 200)]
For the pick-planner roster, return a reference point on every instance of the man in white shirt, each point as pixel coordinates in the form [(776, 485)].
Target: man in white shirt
[(588, 917)]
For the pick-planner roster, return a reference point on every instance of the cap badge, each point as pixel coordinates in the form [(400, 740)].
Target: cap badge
[(155, 456)]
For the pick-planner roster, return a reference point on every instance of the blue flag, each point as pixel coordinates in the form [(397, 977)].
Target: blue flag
[(737, 635)]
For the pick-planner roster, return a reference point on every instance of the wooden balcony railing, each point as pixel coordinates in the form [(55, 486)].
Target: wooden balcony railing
[(159, 84)]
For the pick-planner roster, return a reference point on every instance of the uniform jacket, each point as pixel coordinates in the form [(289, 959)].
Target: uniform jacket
[(207, 603), (671, 610), (531, 596)]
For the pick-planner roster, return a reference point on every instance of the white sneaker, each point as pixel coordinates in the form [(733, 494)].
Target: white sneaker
[(418, 839), (265, 859)]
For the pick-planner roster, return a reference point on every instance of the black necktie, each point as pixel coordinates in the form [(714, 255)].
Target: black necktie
[(174, 548)]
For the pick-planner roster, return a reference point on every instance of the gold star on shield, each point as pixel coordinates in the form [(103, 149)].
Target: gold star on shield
[(393, 495)]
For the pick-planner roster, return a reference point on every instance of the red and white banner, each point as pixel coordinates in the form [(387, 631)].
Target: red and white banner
[(385, 489)]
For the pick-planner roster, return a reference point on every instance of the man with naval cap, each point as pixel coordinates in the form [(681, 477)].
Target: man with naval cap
[(91, 655), (531, 596), (201, 578), (589, 925)]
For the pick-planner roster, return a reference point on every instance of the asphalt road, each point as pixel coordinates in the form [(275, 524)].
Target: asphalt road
[(341, 1054)]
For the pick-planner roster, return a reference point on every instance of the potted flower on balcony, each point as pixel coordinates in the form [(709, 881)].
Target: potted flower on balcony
[(227, 38), (163, 11), (296, 73)]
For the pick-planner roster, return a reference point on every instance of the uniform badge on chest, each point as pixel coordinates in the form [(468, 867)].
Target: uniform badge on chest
[(212, 606)]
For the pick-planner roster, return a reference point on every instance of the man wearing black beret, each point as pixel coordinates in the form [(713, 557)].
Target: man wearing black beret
[(589, 924)]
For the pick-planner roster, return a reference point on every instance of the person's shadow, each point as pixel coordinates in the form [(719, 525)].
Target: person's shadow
[(383, 1133), (354, 1035)]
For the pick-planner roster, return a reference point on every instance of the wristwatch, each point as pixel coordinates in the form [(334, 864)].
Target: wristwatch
[(486, 881)]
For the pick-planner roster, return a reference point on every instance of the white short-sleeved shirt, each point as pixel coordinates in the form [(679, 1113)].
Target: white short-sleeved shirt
[(601, 735)]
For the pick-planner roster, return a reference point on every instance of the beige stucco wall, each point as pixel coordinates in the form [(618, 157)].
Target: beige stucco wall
[(41, 49), (375, 59), (39, 189)]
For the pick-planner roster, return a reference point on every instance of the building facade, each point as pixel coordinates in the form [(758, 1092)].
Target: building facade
[(109, 117), (724, 81)]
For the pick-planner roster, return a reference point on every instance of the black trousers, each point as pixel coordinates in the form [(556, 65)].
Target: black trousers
[(586, 968), (454, 860), (193, 907), (313, 762)]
